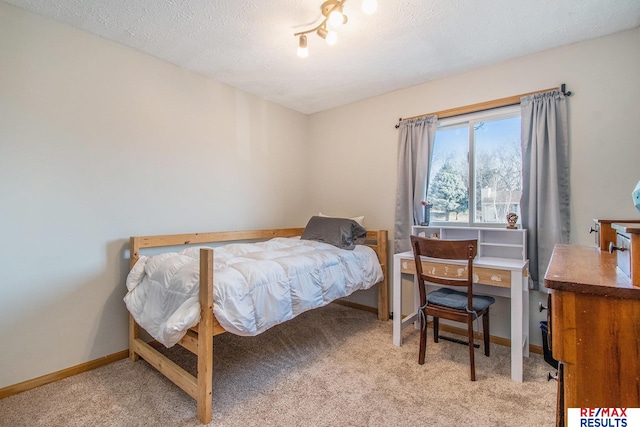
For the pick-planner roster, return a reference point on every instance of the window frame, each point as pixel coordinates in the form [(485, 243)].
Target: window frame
[(471, 119)]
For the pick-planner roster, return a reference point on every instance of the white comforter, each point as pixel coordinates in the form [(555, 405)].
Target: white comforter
[(256, 285)]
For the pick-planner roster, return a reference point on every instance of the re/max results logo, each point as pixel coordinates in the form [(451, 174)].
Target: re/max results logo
[(603, 417)]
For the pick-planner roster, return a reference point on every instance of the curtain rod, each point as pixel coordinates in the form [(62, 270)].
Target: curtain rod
[(496, 103)]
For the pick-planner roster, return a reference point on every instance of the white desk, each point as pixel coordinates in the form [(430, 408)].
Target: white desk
[(494, 276)]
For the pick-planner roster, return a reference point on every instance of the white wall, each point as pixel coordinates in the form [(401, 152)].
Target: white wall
[(99, 142), (355, 145)]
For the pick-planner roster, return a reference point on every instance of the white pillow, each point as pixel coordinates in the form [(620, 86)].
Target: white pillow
[(358, 219)]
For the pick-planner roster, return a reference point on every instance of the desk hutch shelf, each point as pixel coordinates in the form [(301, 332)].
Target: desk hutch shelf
[(492, 242)]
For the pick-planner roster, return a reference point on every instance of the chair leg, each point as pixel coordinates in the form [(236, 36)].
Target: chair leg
[(485, 333), (471, 352), (423, 339), (436, 328)]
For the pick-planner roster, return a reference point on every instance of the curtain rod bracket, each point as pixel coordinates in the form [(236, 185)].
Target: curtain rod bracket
[(563, 89)]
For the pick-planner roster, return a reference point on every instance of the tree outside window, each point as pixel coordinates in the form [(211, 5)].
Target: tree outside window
[(448, 192)]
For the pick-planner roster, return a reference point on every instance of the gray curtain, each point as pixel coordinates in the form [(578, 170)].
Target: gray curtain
[(415, 149), (545, 178)]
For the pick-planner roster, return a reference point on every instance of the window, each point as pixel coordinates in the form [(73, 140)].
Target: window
[(476, 170)]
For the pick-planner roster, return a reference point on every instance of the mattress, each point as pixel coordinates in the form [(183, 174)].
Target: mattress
[(256, 285)]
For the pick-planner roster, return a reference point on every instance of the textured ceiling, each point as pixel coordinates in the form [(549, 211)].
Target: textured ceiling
[(249, 44)]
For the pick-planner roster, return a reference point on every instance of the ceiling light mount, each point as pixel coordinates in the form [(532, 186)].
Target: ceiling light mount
[(331, 5), (333, 13), (303, 51)]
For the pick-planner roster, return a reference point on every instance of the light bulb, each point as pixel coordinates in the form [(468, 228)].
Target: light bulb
[(332, 38), (336, 18), (303, 52), (369, 6)]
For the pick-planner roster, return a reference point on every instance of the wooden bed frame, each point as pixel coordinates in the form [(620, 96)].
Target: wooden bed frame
[(199, 339)]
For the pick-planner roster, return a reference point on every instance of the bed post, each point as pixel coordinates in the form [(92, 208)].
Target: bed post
[(383, 287), (134, 329), (205, 337)]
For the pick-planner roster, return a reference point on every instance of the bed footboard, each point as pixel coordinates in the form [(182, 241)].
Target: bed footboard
[(200, 386)]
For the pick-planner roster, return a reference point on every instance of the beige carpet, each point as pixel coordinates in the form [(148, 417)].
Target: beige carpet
[(334, 366)]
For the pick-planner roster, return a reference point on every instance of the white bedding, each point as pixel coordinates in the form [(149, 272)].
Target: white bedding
[(256, 285)]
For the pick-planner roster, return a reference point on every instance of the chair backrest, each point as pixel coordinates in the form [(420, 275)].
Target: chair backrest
[(444, 249)]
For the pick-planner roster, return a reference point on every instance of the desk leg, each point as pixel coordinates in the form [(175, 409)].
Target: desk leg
[(518, 312), (397, 302), (398, 321), (525, 317)]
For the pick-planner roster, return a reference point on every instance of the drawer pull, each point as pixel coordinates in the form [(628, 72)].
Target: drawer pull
[(613, 248)]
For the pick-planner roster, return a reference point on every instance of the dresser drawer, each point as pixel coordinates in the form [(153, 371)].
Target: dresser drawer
[(481, 275), (596, 230), (627, 249), (623, 244)]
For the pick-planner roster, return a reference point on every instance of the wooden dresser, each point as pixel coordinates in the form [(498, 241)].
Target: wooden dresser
[(594, 327)]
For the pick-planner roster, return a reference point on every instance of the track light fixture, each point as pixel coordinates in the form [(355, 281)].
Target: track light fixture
[(334, 16)]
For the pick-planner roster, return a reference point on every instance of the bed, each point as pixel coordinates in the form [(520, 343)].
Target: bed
[(198, 339)]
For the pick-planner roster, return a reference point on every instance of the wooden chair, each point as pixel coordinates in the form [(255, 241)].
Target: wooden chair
[(460, 306)]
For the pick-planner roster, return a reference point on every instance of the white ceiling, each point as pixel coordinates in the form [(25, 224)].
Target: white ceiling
[(249, 44)]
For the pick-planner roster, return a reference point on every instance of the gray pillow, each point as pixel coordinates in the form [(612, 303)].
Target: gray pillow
[(341, 232)]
